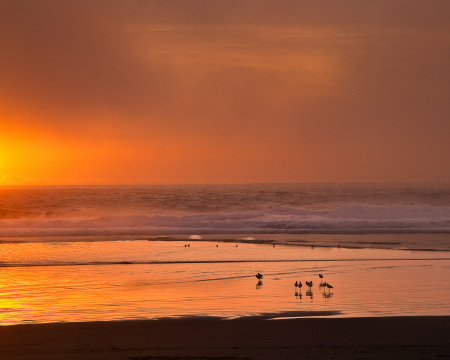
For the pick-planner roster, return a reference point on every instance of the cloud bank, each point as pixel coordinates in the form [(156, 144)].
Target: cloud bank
[(269, 91)]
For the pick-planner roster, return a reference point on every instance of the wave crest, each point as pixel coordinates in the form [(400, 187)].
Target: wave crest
[(355, 217)]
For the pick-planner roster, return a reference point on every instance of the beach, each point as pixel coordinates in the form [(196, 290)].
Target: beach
[(48, 282), (245, 338), (142, 273)]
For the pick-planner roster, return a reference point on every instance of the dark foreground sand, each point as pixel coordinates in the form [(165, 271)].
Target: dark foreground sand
[(248, 338)]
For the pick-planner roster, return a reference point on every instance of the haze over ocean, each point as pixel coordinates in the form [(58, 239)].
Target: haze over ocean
[(219, 209)]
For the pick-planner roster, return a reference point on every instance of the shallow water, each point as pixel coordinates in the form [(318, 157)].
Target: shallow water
[(115, 280), (148, 252)]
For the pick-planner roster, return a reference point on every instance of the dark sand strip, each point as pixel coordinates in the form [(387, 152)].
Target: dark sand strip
[(247, 338)]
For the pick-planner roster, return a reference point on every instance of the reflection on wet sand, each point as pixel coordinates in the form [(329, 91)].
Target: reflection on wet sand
[(259, 284), (309, 293), (135, 279)]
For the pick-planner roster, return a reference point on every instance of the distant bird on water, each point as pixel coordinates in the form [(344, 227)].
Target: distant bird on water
[(259, 276), (321, 276), (296, 284), (329, 287), (300, 285), (309, 284)]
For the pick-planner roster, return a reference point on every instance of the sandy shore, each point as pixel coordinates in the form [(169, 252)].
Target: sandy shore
[(247, 338), (416, 241)]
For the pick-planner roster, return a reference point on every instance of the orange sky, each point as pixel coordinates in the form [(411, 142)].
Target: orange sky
[(125, 92)]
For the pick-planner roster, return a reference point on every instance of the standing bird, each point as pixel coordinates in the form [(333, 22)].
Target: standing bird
[(296, 284), (321, 277), (329, 287), (309, 284), (259, 276), (300, 285)]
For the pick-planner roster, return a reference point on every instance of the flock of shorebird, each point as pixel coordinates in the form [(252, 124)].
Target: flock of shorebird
[(309, 284)]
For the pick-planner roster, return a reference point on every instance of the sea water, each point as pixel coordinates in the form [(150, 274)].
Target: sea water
[(217, 209), (148, 252)]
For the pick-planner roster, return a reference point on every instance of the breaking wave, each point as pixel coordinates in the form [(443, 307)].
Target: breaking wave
[(350, 218)]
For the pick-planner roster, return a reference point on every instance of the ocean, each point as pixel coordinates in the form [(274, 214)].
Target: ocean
[(215, 209), (87, 253)]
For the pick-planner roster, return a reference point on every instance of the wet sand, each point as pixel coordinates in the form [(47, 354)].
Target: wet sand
[(245, 338), (414, 241)]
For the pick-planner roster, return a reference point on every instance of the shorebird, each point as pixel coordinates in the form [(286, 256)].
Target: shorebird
[(296, 284), (259, 276), (309, 284), (329, 287), (300, 285), (321, 277)]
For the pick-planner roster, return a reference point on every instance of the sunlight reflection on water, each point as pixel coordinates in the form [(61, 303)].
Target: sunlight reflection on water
[(145, 279)]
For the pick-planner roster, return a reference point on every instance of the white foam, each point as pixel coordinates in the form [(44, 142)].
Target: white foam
[(224, 209)]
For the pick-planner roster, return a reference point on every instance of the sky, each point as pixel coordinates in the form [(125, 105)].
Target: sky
[(224, 91)]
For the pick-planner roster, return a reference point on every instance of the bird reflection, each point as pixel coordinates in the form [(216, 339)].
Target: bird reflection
[(309, 293), (298, 294), (259, 284), (328, 286)]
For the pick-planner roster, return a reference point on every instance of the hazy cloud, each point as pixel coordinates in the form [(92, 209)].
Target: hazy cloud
[(298, 76)]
